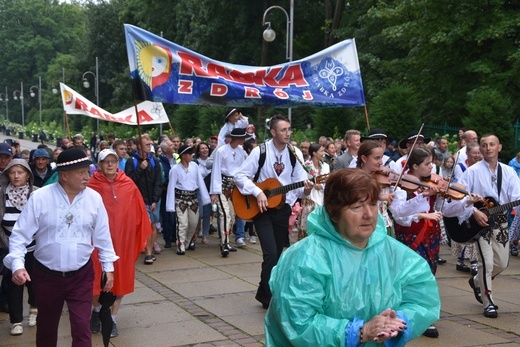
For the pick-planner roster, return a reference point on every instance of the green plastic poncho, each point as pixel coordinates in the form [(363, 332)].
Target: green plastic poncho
[(324, 288)]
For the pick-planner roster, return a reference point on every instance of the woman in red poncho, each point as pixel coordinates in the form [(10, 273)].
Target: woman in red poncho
[(129, 227)]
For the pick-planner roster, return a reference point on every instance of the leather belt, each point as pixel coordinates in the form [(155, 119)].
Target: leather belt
[(59, 273)]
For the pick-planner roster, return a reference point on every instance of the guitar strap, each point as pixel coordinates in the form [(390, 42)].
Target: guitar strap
[(499, 181), (291, 148)]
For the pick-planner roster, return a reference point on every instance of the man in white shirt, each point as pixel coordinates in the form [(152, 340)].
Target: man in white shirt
[(227, 160), (67, 220), (488, 178), (468, 136), (272, 224)]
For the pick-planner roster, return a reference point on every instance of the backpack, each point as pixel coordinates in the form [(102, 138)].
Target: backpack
[(261, 160)]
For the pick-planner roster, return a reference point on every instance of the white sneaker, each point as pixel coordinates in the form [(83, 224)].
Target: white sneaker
[(252, 239), (240, 242), (33, 313), (16, 329)]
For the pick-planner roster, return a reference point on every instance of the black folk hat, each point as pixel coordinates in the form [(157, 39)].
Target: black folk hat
[(375, 134), (185, 149), (230, 113), (238, 133), (73, 158), (411, 137)]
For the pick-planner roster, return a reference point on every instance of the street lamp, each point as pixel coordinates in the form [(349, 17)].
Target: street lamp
[(6, 96), (31, 92), (269, 34), (86, 84), (20, 95)]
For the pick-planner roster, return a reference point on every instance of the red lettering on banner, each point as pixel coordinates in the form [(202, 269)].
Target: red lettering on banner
[(251, 93), (95, 112), (144, 116), (307, 95), (80, 105), (191, 65), (218, 89), (185, 87), (292, 76)]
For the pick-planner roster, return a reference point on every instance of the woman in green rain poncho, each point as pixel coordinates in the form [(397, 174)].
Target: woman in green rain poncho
[(348, 283)]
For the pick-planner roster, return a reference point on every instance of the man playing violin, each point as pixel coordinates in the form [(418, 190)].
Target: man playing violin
[(273, 223), (488, 178)]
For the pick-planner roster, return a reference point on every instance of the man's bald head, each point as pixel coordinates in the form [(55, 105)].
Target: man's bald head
[(470, 136)]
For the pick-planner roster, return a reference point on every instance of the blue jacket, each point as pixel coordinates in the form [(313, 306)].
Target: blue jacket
[(324, 288), (515, 165)]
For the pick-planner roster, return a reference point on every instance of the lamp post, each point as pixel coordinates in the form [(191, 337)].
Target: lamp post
[(269, 35), (55, 91), (86, 84), (20, 95), (31, 92), (6, 96)]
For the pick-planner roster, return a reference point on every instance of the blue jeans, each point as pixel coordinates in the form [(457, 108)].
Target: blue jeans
[(205, 217), (239, 228)]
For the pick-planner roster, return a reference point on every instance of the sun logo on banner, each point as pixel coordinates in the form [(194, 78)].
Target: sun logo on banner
[(153, 63), (67, 96)]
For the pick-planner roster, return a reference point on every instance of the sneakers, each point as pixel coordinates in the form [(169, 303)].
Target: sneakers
[(462, 267), (167, 244), (252, 239), (33, 313), (156, 248), (240, 242), (431, 332), (490, 311), (95, 323), (16, 329), (514, 250), (476, 290), (115, 332)]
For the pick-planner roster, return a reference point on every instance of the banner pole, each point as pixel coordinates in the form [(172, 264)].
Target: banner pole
[(139, 130), (366, 117), (67, 125), (171, 128)]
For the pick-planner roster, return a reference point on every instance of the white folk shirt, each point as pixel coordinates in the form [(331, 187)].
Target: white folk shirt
[(406, 211), (65, 233), (227, 161), (478, 179), (228, 127), (245, 175), (189, 180)]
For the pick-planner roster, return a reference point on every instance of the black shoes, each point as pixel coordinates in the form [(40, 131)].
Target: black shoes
[(224, 250), (491, 311), (431, 332), (95, 322), (167, 244), (212, 230), (462, 267), (265, 304), (476, 290), (191, 247), (440, 261)]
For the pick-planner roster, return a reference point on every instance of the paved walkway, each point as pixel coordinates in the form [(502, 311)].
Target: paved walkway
[(202, 299)]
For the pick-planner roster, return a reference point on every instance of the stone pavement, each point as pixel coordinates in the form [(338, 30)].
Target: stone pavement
[(202, 299)]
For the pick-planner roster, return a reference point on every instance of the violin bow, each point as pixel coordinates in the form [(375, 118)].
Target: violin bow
[(409, 152)]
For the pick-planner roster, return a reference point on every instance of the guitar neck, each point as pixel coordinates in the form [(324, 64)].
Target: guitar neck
[(287, 188), (504, 207)]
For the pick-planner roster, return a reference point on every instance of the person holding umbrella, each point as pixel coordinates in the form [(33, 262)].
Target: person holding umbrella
[(129, 228), (67, 220)]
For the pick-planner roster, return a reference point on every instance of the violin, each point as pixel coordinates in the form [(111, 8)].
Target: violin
[(410, 183)]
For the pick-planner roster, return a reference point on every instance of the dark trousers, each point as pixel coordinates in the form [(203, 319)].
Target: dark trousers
[(54, 290), (15, 293), (272, 228), (167, 221)]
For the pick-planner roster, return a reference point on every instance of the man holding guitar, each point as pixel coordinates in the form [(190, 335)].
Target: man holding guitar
[(491, 179), (272, 223)]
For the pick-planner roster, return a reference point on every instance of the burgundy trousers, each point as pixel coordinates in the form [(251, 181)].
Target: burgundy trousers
[(54, 291)]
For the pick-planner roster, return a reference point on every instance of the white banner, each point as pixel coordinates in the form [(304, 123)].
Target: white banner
[(149, 112)]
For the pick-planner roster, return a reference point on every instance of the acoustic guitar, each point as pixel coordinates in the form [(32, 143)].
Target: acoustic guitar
[(469, 231), (246, 206)]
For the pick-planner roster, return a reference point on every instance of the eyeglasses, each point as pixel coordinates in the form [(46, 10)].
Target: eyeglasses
[(285, 131), (110, 162)]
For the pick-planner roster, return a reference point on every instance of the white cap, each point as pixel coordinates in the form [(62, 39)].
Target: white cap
[(105, 153)]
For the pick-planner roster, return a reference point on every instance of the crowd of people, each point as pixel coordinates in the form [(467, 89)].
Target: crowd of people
[(362, 195)]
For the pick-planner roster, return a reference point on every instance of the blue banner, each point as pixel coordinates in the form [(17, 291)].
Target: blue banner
[(163, 71)]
